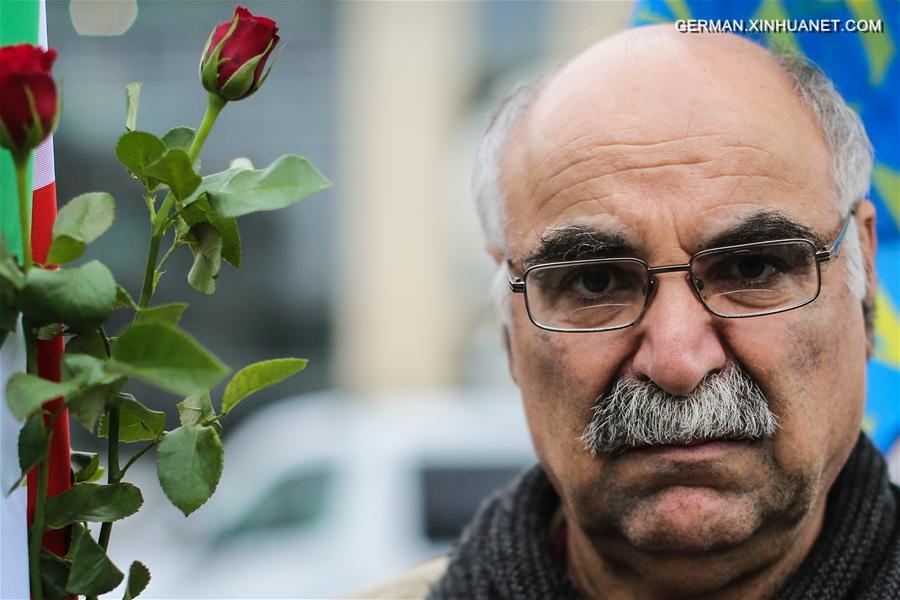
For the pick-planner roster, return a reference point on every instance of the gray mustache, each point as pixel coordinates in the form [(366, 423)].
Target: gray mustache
[(726, 405)]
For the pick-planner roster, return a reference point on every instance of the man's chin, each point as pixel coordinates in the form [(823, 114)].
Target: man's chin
[(683, 519)]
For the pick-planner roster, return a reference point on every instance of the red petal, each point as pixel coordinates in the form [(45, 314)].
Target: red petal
[(250, 38), (15, 111)]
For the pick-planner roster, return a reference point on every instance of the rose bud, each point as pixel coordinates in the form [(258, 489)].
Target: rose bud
[(236, 53), (28, 101)]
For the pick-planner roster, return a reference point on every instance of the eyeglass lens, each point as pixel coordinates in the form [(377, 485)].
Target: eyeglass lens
[(609, 294)]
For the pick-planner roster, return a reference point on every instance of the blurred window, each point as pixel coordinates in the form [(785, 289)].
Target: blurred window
[(298, 499), (451, 495)]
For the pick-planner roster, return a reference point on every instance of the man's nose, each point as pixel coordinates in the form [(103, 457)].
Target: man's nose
[(679, 345)]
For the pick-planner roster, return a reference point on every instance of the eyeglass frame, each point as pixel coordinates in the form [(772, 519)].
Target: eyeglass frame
[(518, 285)]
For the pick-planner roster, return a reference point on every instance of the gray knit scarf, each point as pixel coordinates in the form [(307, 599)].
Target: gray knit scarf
[(503, 553)]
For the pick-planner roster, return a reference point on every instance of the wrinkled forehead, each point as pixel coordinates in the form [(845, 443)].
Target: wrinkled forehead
[(651, 111)]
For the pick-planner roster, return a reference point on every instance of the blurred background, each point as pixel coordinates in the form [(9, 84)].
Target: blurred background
[(374, 457)]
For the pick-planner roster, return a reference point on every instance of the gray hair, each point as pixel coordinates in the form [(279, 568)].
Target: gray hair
[(843, 130), (727, 405)]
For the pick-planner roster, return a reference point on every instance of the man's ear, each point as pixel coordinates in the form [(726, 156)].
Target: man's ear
[(495, 253), (868, 242), (509, 356)]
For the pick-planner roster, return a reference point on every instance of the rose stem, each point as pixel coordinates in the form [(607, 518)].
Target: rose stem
[(21, 163), (37, 529), (214, 106), (112, 476)]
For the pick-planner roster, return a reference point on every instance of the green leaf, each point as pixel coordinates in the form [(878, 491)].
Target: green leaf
[(82, 298), (11, 281), (9, 306), (173, 169), (80, 222), (92, 502), (137, 423), (83, 368), (99, 387), (189, 464), (26, 393), (167, 358), (137, 150), (34, 446), (85, 465), (179, 138), (211, 182), (54, 575), (88, 342), (33, 440), (138, 578), (257, 376), (197, 409), (88, 404), (9, 267), (201, 212), (286, 181), (49, 332), (207, 249), (164, 313), (123, 299), (132, 102), (92, 572)]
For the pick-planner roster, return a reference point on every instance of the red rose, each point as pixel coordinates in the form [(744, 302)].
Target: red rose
[(24, 70), (236, 53)]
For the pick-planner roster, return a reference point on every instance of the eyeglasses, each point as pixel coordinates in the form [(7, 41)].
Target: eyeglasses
[(745, 280)]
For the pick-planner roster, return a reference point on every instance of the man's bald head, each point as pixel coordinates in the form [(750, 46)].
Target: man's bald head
[(654, 79)]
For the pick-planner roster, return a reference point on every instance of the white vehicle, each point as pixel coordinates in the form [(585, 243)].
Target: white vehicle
[(324, 495)]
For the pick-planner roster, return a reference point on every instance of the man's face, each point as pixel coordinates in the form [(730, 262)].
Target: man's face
[(654, 142)]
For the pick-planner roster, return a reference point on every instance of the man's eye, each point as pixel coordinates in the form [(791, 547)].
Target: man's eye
[(752, 268), (594, 281)]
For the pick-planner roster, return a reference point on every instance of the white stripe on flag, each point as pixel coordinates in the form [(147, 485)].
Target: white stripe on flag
[(44, 173)]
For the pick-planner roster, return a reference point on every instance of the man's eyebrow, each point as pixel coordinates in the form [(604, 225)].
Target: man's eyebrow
[(577, 242), (762, 227)]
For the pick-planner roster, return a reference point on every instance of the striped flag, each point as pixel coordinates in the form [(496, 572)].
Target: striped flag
[(24, 21)]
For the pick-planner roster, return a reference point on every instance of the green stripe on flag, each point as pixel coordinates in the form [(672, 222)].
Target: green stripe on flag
[(18, 25)]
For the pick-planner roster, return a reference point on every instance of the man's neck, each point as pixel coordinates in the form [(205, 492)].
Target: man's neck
[(610, 569)]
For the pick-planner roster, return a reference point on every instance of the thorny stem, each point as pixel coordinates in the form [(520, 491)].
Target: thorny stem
[(165, 258), (37, 529), (113, 473), (149, 271), (20, 159)]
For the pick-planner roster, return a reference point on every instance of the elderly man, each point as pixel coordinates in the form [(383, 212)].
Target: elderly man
[(683, 224)]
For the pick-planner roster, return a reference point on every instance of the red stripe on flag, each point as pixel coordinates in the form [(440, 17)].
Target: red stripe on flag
[(42, 217), (49, 355)]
